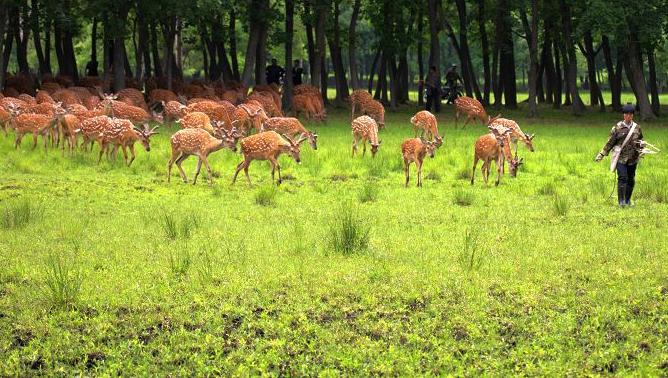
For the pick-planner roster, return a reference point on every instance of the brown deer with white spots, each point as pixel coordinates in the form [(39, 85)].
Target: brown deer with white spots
[(414, 150), (267, 146), (35, 124), (196, 120), (356, 99), (121, 132), (473, 110), (292, 127), (426, 121), (172, 110), (44, 97), (375, 110), (216, 112), (5, 118), (256, 114), (134, 114), (365, 127), (516, 133), (305, 103), (92, 129), (198, 142), (495, 146), (70, 129), (267, 101), (157, 96)]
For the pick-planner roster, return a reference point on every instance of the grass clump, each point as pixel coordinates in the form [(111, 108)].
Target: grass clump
[(463, 197), (560, 205), (470, 256), (266, 195), (63, 281), (173, 228), (369, 192), (17, 215), (349, 234), (179, 262), (547, 189)]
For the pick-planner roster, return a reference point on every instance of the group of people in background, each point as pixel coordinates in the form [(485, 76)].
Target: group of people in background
[(433, 88), (275, 73)]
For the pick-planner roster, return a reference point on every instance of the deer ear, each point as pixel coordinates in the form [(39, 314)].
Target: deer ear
[(380, 141)]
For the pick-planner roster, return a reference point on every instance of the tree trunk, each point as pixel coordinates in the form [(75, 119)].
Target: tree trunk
[(507, 59), (485, 50), (638, 78), (497, 83), (169, 34), (261, 58), (3, 22), (532, 36), (224, 64), (310, 42), (558, 81), (120, 56), (22, 37), (37, 42), (394, 92), (566, 82), (463, 50), (47, 47), (594, 90), (434, 46), (58, 44), (652, 81), (319, 53), (143, 57), (352, 52), (233, 44), (324, 74), (577, 107), (420, 59), (337, 60), (179, 45), (93, 47), (205, 60), (289, 31), (70, 56), (157, 65), (372, 72)]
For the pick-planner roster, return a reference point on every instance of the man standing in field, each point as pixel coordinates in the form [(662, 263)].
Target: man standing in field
[(433, 85), (274, 73), (297, 72), (623, 141)]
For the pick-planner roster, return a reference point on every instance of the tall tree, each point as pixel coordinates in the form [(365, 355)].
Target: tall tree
[(335, 53), (289, 31), (484, 44), (577, 107), (434, 45), (352, 47), (531, 31), (3, 22)]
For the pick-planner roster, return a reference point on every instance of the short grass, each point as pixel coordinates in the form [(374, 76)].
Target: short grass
[(340, 271)]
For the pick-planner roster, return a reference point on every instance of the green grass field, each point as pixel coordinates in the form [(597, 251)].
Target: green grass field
[(340, 271)]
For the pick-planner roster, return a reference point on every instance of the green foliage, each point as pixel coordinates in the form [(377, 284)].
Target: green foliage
[(63, 281), (348, 233), (266, 195), (560, 204), (176, 225), (369, 192), (471, 254), (19, 214), (463, 197)]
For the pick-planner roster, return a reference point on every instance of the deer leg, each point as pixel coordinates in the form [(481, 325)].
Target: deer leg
[(475, 163), (102, 148), (239, 167), (247, 163), (132, 152), (407, 166), (485, 170), (354, 145), (415, 130), (499, 169), (19, 137), (199, 166), (169, 165), (178, 165), (418, 164), (34, 140), (467, 121), (363, 146), (352, 112), (208, 168)]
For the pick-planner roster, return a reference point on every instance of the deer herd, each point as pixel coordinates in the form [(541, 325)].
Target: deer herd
[(219, 117)]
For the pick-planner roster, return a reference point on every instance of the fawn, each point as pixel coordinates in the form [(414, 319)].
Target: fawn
[(414, 150), (426, 121), (495, 146), (364, 127)]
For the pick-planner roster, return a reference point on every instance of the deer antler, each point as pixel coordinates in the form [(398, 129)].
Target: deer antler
[(292, 142), (494, 119)]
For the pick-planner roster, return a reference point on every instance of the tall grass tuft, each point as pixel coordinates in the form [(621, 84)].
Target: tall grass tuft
[(174, 228), (17, 215), (471, 256), (266, 195), (369, 192), (349, 234), (560, 205), (179, 262), (463, 197), (63, 281), (547, 189), (463, 172), (206, 266)]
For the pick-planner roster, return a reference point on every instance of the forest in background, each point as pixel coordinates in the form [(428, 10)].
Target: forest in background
[(557, 51)]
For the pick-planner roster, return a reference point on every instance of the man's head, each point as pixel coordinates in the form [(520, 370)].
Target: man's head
[(432, 69), (628, 110), (273, 61), (453, 67), (296, 62)]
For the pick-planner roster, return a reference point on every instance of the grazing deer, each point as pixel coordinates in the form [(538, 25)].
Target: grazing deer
[(134, 114), (214, 110), (44, 97), (256, 114), (427, 122), (267, 101), (198, 142), (92, 129), (132, 97), (304, 103), (291, 126), (5, 118), (171, 111), (414, 150), (267, 146), (157, 96), (516, 133), (364, 127), (356, 99), (375, 110), (36, 124), (121, 132), (196, 120), (495, 146), (473, 109), (70, 128)]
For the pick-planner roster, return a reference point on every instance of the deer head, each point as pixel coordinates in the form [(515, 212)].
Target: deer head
[(228, 138), (513, 165), (145, 135), (528, 141), (438, 140), (293, 148), (500, 134), (430, 147), (312, 138), (374, 148)]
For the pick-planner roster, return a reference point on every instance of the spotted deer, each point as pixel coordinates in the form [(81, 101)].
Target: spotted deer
[(356, 99), (291, 126), (473, 110), (196, 120), (5, 118), (134, 114), (198, 142), (426, 121), (256, 114), (172, 110), (215, 111), (495, 146), (516, 133), (70, 129), (123, 133), (92, 129), (157, 96), (414, 150), (267, 146), (132, 97), (267, 102), (375, 110), (364, 127), (304, 103), (35, 124)]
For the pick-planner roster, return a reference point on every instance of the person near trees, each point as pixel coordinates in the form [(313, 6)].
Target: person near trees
[(433, 86), (624, 141), (452, 77), (91, 68), (274, 73), (297, 72)]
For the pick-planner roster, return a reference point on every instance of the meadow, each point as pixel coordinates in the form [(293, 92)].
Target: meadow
[(341, 270)]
